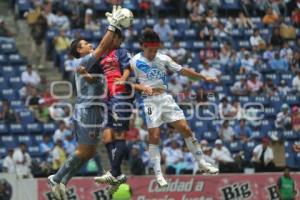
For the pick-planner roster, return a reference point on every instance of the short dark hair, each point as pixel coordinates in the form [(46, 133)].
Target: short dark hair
[(74, 46), (149, 36)]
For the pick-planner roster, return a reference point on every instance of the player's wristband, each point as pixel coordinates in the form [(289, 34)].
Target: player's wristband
[(112, 28)]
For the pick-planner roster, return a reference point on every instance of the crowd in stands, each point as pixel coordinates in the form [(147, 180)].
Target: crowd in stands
[(255, 52)]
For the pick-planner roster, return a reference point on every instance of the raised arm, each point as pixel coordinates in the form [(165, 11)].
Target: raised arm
[(195, 75)]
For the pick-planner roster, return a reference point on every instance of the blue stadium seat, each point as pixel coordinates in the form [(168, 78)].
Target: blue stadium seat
[(297, 160), (258, 135), (34, 151), (3, 59), (236, 34), (3, 84), (97, 35), (8, 141), (17, 105), (198, 45), (26, 117), (290, 160), (34, 128), (9, 94), (274, 77), (276, 102), (49, 127), (8, 48), (230, 5), (261, 99), (235, 147), (37, 139), (2, 152), (290, 135), (270, 112), (209, 135), (15, 82), (190, 34), (248, 149), (150, 22), (3, 129), (20, 69), (244, 44), (182, 24), (16, 128), (227, 79), (24, 139), (8, 72), (15, 59), (100, 5), (291, 99), (288, 78)]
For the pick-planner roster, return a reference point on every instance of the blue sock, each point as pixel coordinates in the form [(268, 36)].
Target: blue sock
[(119, 153), (109, 148), (72, 173), (71, 163)]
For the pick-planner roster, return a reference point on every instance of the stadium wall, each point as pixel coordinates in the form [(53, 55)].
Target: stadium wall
[(221, 187)]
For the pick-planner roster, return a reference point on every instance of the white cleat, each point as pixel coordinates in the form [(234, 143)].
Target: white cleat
[(107, 178), (63, 191), (161, 181), (55, 187), (208, 168)]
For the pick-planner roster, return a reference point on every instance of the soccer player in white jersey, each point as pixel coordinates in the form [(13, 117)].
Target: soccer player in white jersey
[(150, 69)]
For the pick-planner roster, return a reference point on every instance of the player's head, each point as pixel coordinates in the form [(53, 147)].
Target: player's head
[(80, 47), (118, 39), (150, 44)]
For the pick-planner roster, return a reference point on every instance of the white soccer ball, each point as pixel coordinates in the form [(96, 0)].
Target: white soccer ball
[(127, 22)]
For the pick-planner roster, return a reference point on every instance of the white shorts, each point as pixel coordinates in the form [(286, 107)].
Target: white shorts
[(161, 109)]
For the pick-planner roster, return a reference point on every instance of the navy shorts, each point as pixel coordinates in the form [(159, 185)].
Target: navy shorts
[(88, 124), (119, 112)]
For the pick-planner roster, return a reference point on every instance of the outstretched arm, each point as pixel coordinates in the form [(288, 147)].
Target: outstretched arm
[(195, 75)]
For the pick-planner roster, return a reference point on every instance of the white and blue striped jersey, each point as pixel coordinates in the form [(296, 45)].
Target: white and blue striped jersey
[(153, 73)]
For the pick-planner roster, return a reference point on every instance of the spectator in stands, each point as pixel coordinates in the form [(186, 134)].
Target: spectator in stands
[(283, 118), (295, 119), (283, 88), (137, 166), (208, 53), (61, 44), (89, 22), (214, 5), (270, 88), (32, 101), (256, 41), (44, 85), (276, 39), (163, 30), (279, 5), (222, 34), (247, 63), (22, 161), (207, 151), (7, 115), (244, 22), (61, 21), (4, 31), (240, 87), (59, 134), (145, 6), (254, 85), (172, 156), (225, 54), (45, 147), (279, 64), (196, 10), (132, 134), (58, 155), (187, 165), (296, 17), (248, 6), (30, 76), (209, 72), (295, 63), (69, 143), (223, 157), (173, 86), (42, 113), (268, 55), (9, 163), (263, 157), (226, 132), (271, 18), (178, 54), (49, 14), (212, 19), (286, 186), (286, 52), (243, 132), (296, 146), (38, 48), (296, 82), (225, 109)]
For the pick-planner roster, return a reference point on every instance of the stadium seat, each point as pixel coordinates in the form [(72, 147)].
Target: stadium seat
[(235, 147), (290, 135), (290, 160), (291, 99), (9, 94), (3, 59), (297, 160), (2, 152), (100, 5), (276, 102), (230, 5), (261, 99), (270, 112), (19, 69), (248, 149), (209, 135), (49, 127), (15, 59), (3, 84), (17, 105), (190, 34), (34, 151), (8, 141), (3, 129), (26, 117), (8, 72), (8, 48), (33, 128), (15, 82), (16, 128), (24, 139), (258, 135), (37, 139)]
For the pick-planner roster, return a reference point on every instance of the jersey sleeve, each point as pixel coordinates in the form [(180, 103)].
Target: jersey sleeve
[(87, 61), (124, 58), (172, 65)]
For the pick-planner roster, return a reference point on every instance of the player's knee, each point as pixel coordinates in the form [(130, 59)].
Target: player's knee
[(107, 138)]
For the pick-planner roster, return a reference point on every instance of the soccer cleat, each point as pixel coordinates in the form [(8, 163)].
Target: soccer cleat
[(120, 180), (63, 191), (161, 181), (208, 168), (107, 178), (55, 187)]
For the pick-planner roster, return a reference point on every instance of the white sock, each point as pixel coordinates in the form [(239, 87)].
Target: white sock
[(155, 159), (195, 148)]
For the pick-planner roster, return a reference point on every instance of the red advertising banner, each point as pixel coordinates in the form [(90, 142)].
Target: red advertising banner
[(219, 187)]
